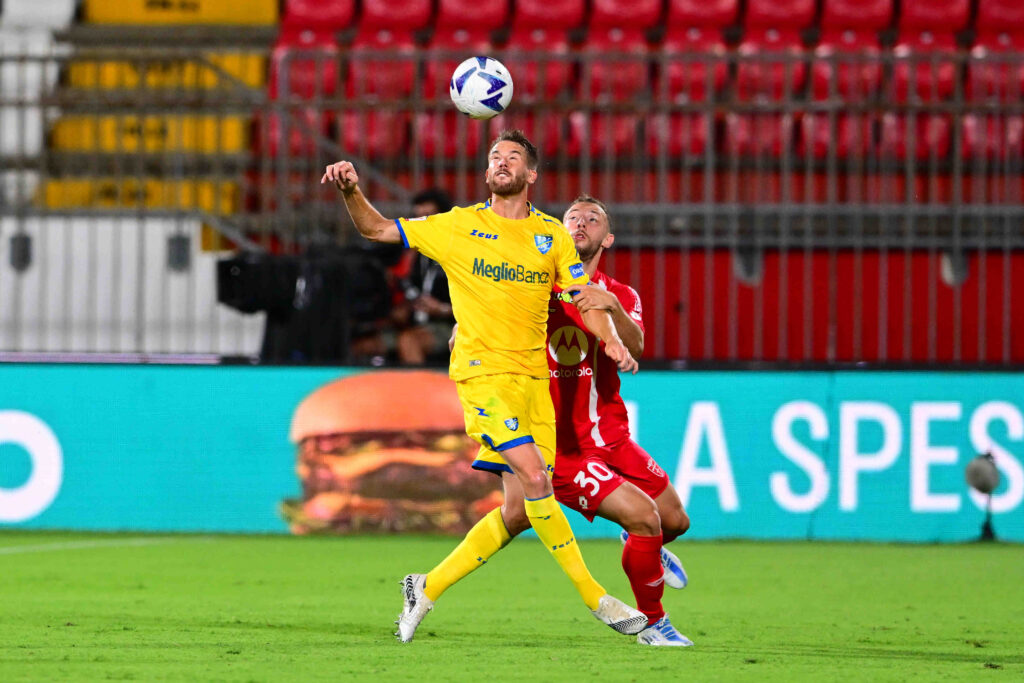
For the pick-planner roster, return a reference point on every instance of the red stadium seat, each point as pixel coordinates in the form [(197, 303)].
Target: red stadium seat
[(616, 48), (447, 134), (852, 137), (374, 134), (1000, 35), (323, 15), (990, 137), (927, 29), (602, 134), (763, 135), (677, 135), (540, 27), (694, 33), (556, 15), (773, 26), (849, 29), (463, 26), (304, 62), (924, 136), (383, 29), (295, 134)]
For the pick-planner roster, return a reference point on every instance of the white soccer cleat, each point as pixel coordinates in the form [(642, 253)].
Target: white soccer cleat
[(674, 574), (415, 605), (619, 615), (662, 633)]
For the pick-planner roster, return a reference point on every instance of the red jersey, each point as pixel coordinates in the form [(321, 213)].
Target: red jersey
[(584, 380)]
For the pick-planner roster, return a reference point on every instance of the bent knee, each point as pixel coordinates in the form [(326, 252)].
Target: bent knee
[(675, 525), (515, 519), (643, 520)]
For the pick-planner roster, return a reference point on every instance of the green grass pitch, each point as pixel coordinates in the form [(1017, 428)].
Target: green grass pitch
[(265, 608)]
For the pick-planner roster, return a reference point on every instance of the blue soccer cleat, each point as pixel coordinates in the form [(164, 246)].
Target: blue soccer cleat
[(674, 574), (663, 633)]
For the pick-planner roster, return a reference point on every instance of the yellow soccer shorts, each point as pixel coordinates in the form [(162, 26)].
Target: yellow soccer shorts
[(507, 410)]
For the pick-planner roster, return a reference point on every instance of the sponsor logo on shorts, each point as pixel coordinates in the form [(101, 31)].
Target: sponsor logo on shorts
[(481, 412), (569, 346), (474, 363)]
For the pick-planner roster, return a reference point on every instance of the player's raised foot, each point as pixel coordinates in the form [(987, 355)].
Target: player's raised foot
[(663, 633), (415, 605), (674, 574), (619, 615)]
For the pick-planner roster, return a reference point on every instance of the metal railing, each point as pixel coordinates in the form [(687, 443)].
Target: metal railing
[(768, 206)]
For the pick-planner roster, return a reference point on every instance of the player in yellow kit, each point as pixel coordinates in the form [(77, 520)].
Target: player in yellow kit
[(502, 258)]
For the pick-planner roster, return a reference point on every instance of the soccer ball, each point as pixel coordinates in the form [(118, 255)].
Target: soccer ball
[(481, 87)]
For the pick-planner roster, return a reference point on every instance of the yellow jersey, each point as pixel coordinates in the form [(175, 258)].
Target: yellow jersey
[(500, 275)]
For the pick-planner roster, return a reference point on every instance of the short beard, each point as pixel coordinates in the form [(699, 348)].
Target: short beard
[(513, 186), (587, 255)]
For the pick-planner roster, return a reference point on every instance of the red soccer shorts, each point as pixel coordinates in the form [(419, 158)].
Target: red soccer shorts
[(583, 480)]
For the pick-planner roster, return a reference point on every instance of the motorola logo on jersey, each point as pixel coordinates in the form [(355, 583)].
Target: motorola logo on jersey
[(568, 345)]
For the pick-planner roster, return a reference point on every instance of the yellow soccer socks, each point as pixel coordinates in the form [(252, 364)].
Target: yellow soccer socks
[(487, 537), (554, 531)]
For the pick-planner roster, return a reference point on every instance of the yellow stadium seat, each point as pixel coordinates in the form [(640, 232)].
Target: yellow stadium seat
[(217, 197), (169, 12), (153, 133), (222, 71)]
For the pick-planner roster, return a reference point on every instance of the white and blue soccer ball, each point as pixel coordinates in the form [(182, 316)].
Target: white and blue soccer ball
[(481, 87)]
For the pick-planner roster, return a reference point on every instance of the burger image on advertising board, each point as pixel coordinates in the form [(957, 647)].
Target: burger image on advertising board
[(386, 451)]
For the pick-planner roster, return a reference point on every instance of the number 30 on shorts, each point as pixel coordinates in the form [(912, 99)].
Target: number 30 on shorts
[(600, 473)]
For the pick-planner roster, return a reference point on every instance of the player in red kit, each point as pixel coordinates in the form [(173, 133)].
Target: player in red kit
[(599, 469)]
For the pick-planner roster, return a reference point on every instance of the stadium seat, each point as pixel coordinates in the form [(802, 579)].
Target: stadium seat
[(35, 74), (322, 15), (21, 131), (694, 33), (304, 62), (923, 137), (541, 27), (463, 27), (849, 31), (383, 30), (294, 135), (761, 135), (852, 138), (994, 138), (773, 26), (374, 134), (55, 15), (927, 32), (616, 48), (600, 134), (1000, 38), (18, 188), (677, 135), (447, 134)]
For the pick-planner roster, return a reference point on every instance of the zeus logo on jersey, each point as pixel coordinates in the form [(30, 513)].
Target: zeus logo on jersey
[(568, 345), (483, 235), (506, 271)]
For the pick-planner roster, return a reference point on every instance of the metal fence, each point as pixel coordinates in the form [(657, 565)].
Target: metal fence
[(776, 207)]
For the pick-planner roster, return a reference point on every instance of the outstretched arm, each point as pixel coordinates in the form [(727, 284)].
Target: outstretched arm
[(367, 219), (600, 323), (596, 298)]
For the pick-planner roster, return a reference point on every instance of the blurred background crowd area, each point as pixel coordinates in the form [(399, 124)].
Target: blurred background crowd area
[(791, 181)]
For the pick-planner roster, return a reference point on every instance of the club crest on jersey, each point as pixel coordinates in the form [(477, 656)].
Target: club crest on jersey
[(543, 242), (512, 423)]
